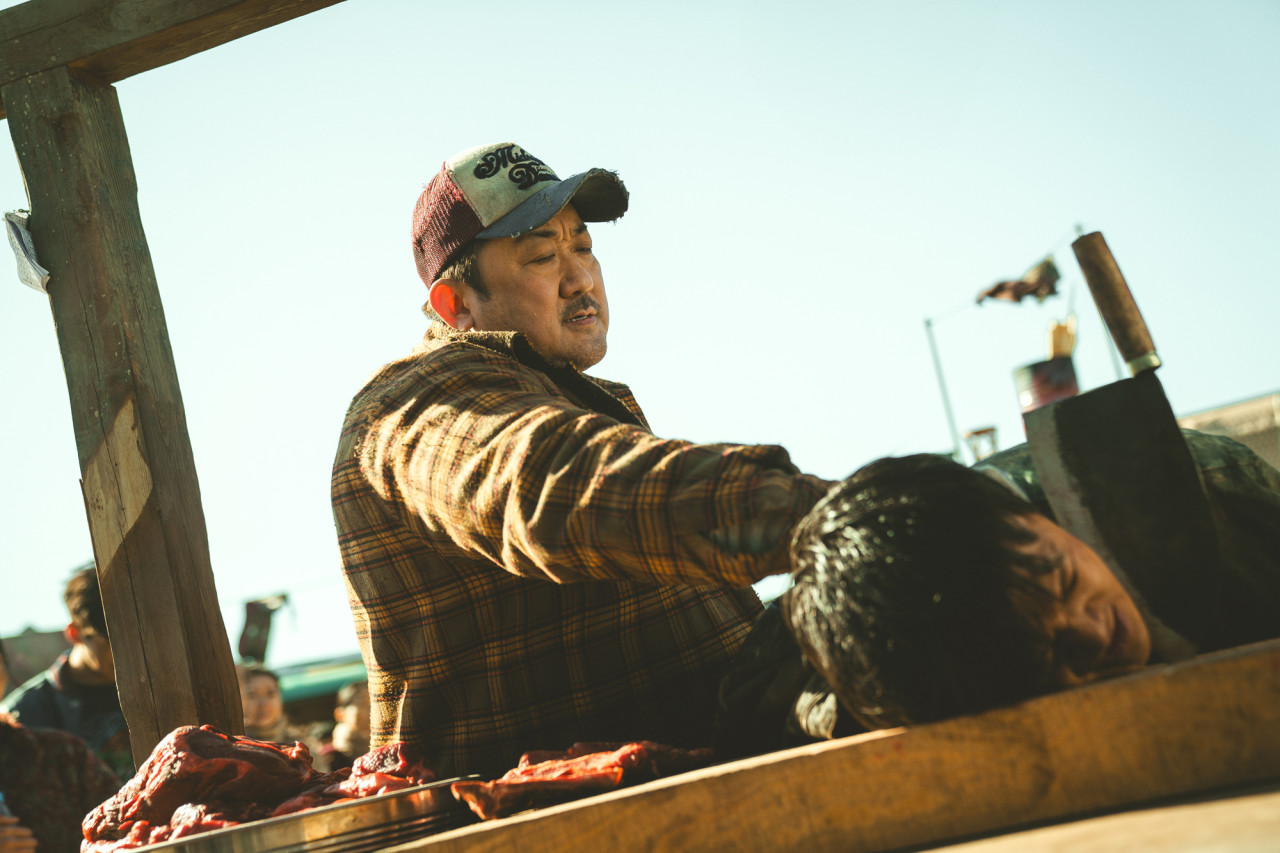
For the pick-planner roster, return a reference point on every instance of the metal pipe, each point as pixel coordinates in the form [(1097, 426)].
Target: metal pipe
[(942, 386)]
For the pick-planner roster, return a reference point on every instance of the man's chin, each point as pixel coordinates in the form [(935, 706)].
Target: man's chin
[(586, 353), (590, 358)]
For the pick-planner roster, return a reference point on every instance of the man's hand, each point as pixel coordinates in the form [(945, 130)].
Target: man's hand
[(15, 838)]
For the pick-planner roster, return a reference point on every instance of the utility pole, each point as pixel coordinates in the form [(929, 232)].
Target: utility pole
[(942, 386)]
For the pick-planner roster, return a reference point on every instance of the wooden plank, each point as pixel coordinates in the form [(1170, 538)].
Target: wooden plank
[(1203, 725), (115, 39), (1248, 820), (173, 660)]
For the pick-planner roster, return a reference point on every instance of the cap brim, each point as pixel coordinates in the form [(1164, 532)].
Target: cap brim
[(597, 194)]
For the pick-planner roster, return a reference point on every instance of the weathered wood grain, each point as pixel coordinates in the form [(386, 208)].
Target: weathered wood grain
[(1239, 822), (173, 661), (1199, 726), (115, 39)]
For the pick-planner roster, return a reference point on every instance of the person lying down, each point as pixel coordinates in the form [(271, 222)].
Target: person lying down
[(924, 590)]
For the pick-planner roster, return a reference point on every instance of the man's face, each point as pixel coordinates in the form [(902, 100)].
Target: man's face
[(97, 664), (546, 284), (1095, 627), (102, 653)]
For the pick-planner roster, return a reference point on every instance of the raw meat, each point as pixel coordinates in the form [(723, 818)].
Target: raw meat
[(199, 778), (200, 765), (388, 768), (544, 778)]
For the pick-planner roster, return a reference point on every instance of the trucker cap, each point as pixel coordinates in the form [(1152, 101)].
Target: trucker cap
[(501, 190)]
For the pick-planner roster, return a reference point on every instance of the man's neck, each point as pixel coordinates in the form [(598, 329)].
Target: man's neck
[(84, 669)]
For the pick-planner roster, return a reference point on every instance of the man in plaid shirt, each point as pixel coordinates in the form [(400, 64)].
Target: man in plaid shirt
[(528, 565)]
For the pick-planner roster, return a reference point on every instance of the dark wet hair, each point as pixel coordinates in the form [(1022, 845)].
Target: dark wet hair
[(84, 600), (910, 597)]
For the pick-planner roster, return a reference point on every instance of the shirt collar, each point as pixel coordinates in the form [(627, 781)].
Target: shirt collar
[(513, 344)]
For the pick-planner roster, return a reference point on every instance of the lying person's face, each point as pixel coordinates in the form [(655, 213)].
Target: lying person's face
[(1093, 623)]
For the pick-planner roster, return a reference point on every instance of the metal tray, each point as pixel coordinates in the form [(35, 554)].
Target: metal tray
[(370, 823)]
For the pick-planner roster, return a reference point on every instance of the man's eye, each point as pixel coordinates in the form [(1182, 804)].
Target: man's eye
[(1070, 577), (586, 250), (542, 260)]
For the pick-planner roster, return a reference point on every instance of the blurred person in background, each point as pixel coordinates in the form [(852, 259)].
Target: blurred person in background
[(350, 738), (78, 693), (49, 780), (264, 716)]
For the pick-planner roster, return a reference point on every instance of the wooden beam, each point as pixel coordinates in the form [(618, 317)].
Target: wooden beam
[(1207, 724), (115, 39), (173, 661), (1239, 821)]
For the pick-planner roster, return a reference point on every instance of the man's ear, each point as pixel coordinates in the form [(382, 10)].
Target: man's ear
[(71, 633), (446, 298)]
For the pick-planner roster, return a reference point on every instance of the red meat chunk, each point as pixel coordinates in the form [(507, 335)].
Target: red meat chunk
[(313, 795), (392, 767), (200, 765), (544, 778), (140, 834), (393, 759), (200, 778), (193, 818)]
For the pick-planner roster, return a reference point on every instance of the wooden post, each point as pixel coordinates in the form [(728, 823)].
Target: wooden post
[(173, 661)]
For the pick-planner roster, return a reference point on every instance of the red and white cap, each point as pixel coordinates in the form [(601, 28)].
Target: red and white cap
[(501, 190)]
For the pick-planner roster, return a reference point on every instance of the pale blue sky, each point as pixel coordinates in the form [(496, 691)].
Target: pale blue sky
[(809, 181)]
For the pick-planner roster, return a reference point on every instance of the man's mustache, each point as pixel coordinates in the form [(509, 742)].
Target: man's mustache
[(578, 306)]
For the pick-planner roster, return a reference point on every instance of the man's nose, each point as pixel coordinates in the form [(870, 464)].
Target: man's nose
[(575, 278), (1084, 641)]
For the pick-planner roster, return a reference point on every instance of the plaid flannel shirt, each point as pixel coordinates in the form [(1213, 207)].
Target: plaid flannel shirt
[(528, 566)]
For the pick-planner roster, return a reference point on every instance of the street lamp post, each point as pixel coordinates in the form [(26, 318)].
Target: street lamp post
[(942, 386)]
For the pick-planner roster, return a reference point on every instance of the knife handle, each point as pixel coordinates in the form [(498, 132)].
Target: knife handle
[(1115, 303)]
